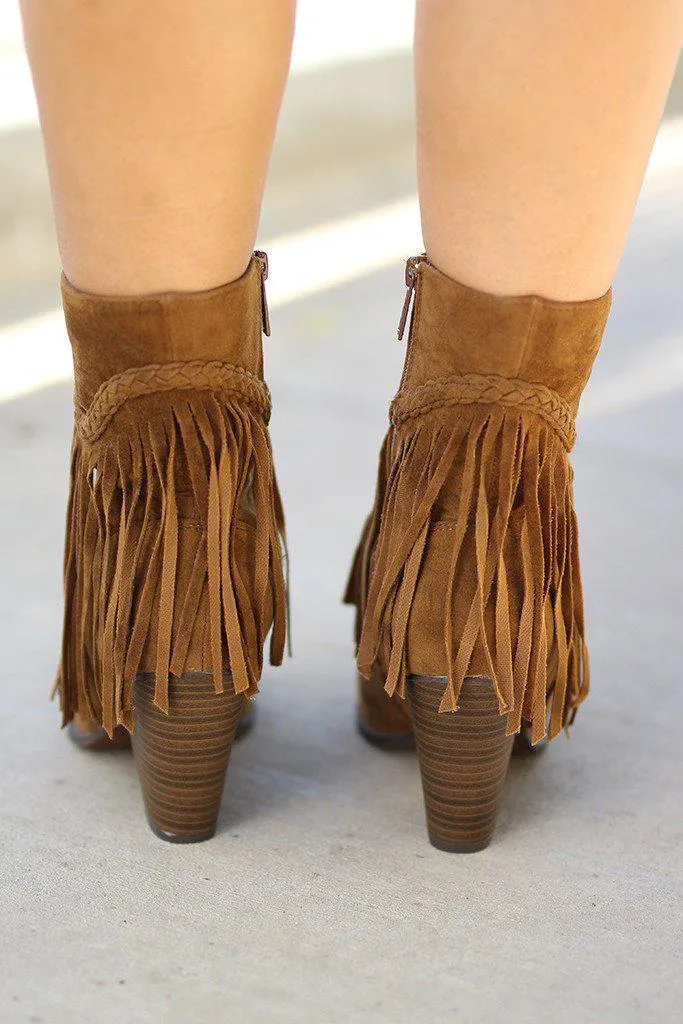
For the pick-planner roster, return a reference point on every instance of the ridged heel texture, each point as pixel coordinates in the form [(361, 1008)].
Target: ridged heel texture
[(182, 757), (464, 758)]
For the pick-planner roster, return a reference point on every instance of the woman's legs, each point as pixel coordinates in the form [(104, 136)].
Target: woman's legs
[(158, 124), (535, 121)]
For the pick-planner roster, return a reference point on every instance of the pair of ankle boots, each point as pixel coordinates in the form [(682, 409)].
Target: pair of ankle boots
[(466, 579)]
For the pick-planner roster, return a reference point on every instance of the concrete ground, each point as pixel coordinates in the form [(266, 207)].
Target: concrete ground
[(320, 900)]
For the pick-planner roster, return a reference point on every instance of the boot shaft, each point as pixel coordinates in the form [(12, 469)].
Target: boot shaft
[(457, 331), (468, 566), (173, 559), (111, 335)]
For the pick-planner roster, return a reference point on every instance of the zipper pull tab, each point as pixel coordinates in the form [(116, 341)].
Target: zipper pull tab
[(412, 264), (262, 257)]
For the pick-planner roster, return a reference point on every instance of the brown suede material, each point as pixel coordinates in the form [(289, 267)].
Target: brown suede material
[(173, 561), (198, 657), (459, 330), (380, 714), (426, 650), (469, 564), (222, 323)]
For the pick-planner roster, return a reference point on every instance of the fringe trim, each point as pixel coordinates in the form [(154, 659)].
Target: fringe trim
[(510, 492), (123, 533)]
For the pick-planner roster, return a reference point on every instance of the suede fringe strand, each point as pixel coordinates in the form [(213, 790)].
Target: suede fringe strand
[(514, 519), (122, 550)]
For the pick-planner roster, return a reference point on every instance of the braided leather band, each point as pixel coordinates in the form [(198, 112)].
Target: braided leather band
[(487, 389), (198, 374)]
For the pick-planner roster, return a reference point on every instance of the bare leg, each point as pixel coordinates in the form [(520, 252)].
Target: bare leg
[(158, 124), (535, 121)]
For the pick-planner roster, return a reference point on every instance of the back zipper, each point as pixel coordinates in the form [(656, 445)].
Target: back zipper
[(262, 257), (412, 263)]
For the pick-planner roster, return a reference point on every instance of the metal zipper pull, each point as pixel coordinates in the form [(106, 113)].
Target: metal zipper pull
[(262, 257), (412, 264)]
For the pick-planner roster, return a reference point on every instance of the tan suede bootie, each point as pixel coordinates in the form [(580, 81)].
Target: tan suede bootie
[(174, 566), (466, 579)]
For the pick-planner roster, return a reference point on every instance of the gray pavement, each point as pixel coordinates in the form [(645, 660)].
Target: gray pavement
[(320, 901)]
